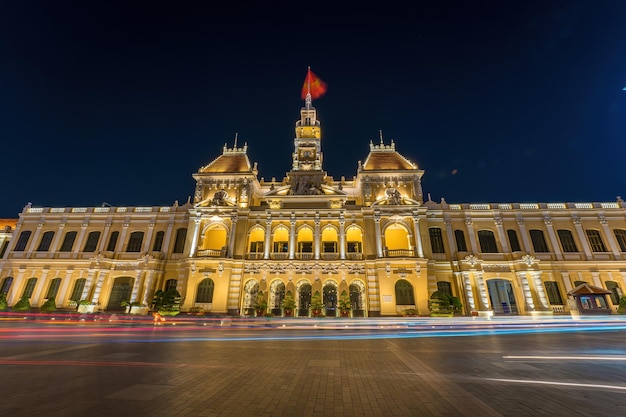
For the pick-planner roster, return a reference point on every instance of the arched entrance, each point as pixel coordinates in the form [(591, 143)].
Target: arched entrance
[(121, 291), (330, 300), (357, 299), (277, 294), (502, 297), (304, 298), (251, 289)]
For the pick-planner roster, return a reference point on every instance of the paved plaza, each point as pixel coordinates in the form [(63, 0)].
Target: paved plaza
[(125, 370)]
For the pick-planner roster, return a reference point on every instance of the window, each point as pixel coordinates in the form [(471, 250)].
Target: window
[(404, 293), (256, 247), (487, 241), (567, 240), (444, 287), (616, 291), (179, 243), (205, 291), (539, 240), (436, 241), (77, 291), (305, 247), (68, 242), (92, 242), (595, 240), (158, 241), (553, 293), (577, 283), (22, 241), (459, 236), (46, 240), (170, 284), (620, 235), (6, 285), (5, 245), (354, 247), (134, 242), (30, 286), (112, 241), (53, 288), (329, 247), (281, 247), (513, 240)]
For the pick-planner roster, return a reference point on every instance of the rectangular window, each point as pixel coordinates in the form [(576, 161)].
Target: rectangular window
[(567, 240), (616, 291), (112, 241), (30, 287), (281, 247), (134, 242), (179, 243), (595, 241), (54, 288), (329, 247), (513, 240), (436, 240), (68, 242), (77, 291), (256, 247), (553, 293), (354, 247), (5, 245), (539, 241), (305, 247), (92, 242), (461, 245)]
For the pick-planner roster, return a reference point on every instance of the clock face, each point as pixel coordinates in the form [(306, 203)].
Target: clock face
[(307, 154)]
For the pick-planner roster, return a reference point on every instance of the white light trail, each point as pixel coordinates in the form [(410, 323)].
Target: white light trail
[(569, 384), (576, 358)]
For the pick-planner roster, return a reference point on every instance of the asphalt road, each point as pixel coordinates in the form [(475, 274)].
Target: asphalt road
[(278, 368)]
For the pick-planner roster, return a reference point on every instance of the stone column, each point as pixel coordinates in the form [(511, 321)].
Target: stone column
[(292, 236), (469, 292), (98, 287), (147, 289), (105, 236), (119, 247), (145, 247), (482, 289), (54, 247), (418, 236), (566, 281), (610, 237), (379, 243), (316, 236), (582, 237), (526, 246), (502, 235), (451, 239), (88, 284), (342, 236), (268, 237), (35, 239), (536, 275), (194, 237), (41, 282), (231, 238), (553, 239), (81, 235), (471, 235), (134, 295)]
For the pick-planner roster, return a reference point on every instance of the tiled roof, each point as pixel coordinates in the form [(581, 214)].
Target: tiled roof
[(235, 163), (387, 161), (586, 289)]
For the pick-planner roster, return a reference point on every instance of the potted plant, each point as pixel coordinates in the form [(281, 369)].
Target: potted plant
[(288, 304), (86, 306), (22, 305), (4, 305), (344, 304), (316, 304), (260, 304), (167, 303), (49, 306), (134, 307)]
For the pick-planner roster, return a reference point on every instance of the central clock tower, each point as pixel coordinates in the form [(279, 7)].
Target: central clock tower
[(307, 154)]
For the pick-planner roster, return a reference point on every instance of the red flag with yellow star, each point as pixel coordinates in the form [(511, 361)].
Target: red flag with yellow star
[(313, 85)]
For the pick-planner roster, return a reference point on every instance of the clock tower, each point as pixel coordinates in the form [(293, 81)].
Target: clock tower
[(307, 154)]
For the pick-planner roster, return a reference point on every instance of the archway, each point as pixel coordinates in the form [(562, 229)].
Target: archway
[(329, 298), (502, 297), (304, 298), (251, 289), (121, 291), (357, 299), (277, 293)]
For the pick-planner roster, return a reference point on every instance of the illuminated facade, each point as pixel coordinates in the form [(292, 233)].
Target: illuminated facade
[(372, 236)]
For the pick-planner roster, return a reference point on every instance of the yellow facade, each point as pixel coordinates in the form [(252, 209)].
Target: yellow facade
[(372, 236)]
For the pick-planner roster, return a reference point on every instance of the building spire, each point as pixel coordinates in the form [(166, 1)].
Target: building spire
[(235, 144)]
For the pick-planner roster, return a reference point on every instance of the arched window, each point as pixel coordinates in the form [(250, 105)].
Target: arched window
[(487, 241), (280, 243), (620, 235), (53, 289), (329, 240), (404, 293), (170, 284), (179, 243), (553, 293), (354, 241), (305, 240), (6, 285), (459, 236), (22, 241), (77, 291), (46, 240), (92, 242), (396, 237), (214, 238), (29, 288), (158, 241), (205, 291), (257, 239), (444, 287), (539, 240), (134, 242), (595, 240), (513, 240), (567, 240), (68, 242), (112, 241)]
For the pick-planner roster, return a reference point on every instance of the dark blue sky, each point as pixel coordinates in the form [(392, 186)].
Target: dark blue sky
[(118, 103)]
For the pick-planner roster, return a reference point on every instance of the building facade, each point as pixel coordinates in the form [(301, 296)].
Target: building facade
[(373, 236)]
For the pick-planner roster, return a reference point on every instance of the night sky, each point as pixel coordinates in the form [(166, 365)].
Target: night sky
[(498, 101)]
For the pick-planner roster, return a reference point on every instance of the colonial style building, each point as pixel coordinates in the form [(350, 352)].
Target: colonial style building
[(373, 236)]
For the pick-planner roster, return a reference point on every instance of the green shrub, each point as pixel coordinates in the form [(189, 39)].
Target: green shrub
[(49, 306), (622, 305), (4, 305), (22, 305)]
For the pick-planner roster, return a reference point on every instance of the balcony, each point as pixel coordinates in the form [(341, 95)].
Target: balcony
[(329, 256), (254, 255), (354, 256), (279, 255), (211, 253), (304, 256), (399, 253)]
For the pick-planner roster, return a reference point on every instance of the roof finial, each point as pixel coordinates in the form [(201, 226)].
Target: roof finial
[(235, 145), (381, 136)]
